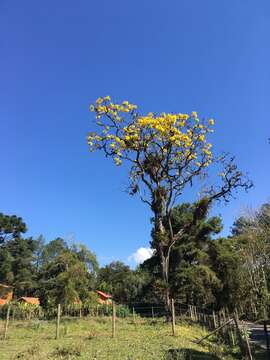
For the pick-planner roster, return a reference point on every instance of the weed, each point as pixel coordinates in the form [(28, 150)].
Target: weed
[(67, 352)]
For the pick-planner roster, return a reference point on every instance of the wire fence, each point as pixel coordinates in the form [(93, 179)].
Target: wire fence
[(223, 324)]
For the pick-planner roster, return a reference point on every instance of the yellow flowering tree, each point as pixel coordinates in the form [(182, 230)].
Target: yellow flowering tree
[(166, 152)]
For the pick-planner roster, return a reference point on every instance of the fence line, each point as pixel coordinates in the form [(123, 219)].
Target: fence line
[(222, 321)]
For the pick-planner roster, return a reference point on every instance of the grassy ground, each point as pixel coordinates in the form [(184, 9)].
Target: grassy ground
[(91, 339)]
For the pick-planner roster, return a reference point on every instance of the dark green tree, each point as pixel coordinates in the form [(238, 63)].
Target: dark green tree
[(124, 284), (52, 249), (17, 265), (225, 260), (86, 256), (11, 226), (67, 274), (191, 278), (63, 279)]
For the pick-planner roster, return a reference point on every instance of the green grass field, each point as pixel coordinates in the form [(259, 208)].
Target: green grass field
[(91, 339)]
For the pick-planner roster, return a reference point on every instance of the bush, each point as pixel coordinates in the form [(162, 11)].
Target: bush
[(122, 311), (22, 311)]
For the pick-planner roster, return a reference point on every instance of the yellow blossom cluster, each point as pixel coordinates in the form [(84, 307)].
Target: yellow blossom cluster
[(125, 132), (104, 106)]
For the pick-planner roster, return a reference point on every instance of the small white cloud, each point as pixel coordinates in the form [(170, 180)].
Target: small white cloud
[(141, 255)]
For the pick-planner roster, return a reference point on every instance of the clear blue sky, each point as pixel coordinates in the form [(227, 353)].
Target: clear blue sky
[(57, 56)]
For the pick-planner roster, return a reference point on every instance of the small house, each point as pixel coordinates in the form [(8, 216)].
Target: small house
[(6, 294), (104, 298), (3, 302), (29, 300)]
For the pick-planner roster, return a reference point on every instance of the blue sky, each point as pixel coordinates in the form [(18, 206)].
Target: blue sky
[(58, 56)]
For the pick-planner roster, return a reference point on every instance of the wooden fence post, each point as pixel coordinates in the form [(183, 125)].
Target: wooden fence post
[(193, 313), (13, 313), (204, 318), (173, 317), (249, 354), (113, 318), (213, 332), (214, 320), (190, 312), (222, 320), (245, 348), (134, 315), (230, 330), (196, 315), (7, 322), (209, 322), (58, 321)]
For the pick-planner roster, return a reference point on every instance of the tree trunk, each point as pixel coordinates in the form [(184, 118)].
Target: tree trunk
[(165, 277)]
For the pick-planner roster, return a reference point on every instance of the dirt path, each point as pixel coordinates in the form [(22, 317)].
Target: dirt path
[(258, 335)]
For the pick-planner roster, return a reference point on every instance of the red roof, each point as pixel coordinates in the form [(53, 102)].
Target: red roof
[(3, 301), (104, 295), (30, 300)]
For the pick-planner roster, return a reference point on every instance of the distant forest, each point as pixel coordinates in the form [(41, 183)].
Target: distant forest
[(205, 270)]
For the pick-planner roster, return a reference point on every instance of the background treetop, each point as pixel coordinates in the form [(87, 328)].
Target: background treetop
[(11, 227)]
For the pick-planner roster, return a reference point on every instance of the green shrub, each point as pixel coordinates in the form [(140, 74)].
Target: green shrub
[(122, 311), (22, 311)]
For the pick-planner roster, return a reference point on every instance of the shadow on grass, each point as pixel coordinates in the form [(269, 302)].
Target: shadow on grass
[(262, 355), (188, 354)]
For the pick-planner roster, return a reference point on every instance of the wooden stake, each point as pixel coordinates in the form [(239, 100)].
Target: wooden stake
[(223, 320), (232, 335), (230, 331), (196, 315), (218, 319), (13, 313), (244, 346), (214, 320), (58, 321), (204, 318), (213, 332), (193, 312), (190, 311), (113, 318), (153, 315), (134, 315), (249, 354), (7, 322), (209, 323), (173, 317)]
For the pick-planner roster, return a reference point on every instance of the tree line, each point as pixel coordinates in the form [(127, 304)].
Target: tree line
[(205, 270)]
